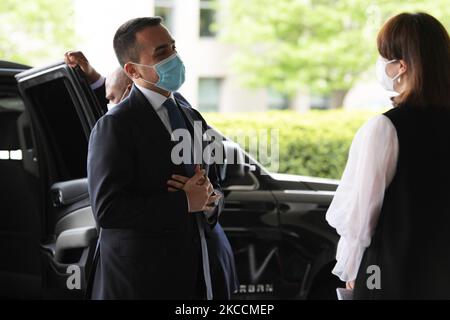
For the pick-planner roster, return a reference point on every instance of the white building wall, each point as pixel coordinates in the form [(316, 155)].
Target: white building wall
[(185, 30), (97, 21), (209, 58)]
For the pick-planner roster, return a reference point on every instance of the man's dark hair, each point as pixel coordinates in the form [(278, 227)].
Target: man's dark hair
[(125, 44)]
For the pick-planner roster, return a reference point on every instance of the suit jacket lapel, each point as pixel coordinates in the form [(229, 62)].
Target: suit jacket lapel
[(150, 119), (190, 118), (184, 108)]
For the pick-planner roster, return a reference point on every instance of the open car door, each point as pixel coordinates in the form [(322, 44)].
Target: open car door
[(61, 111)]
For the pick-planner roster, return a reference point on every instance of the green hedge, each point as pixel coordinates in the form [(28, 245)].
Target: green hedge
[(313, 144)]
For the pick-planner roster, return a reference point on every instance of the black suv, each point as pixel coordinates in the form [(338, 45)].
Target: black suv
[(283, 247)]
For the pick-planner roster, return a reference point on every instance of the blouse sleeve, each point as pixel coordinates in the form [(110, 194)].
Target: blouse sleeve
[(357, 203)]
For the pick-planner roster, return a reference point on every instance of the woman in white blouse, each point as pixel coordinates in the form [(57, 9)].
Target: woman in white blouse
[(392, 208)]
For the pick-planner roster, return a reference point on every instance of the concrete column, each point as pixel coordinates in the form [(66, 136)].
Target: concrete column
[(186, 26)]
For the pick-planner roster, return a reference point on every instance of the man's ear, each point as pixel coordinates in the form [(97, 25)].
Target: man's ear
[(131, 71)]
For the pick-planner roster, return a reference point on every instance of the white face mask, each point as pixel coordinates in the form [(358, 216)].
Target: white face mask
[(386, 82)]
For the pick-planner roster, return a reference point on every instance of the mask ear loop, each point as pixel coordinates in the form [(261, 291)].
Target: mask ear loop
[(399, 74), (173, 56), (140, 77), (148, 82), (397, 77)]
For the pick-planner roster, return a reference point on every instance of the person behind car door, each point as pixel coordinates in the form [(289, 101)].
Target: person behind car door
[(110, 90)]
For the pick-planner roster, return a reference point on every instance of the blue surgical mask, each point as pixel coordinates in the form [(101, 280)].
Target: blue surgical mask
[(171, 72)]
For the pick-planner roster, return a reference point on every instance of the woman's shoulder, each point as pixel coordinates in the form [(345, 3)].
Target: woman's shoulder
[(372, 139), (377, 123)]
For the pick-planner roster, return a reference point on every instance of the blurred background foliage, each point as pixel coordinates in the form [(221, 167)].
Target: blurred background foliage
[(320, 45), (36, 30), (311, 144)]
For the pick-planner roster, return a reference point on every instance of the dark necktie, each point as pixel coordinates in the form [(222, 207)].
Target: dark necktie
[(177, 122)]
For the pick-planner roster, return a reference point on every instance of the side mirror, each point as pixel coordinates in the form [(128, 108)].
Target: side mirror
[(234, 162)]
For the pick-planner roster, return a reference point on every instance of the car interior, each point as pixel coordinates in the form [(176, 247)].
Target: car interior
[(28, 211), (19, 229), (61, 127), (63, 150)]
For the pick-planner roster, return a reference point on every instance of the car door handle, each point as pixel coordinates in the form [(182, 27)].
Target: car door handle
[(283, 207), (249, 206), (77, 238)]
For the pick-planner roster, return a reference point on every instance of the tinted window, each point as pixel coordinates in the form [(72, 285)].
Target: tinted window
[(62, 127)]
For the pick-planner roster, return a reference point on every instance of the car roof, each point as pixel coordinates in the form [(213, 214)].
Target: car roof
[(7, 72), (12, 65)]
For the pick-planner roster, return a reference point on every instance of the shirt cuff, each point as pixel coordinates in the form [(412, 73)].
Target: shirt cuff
[(212, 211), (209, 213), (348, 256), (97, 84), (187, 201)]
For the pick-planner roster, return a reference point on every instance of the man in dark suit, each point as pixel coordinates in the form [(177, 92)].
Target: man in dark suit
[(114, 89), (153, 242)]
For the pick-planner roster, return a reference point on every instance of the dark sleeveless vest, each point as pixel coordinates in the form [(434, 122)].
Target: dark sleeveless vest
[(411, 243)]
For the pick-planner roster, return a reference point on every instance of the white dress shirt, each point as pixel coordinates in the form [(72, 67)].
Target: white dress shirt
[(98, 83), (357, 203), (156, 100)]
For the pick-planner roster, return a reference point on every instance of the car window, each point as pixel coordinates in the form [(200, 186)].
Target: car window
[(62, 127), (11, 106), (11, 102)]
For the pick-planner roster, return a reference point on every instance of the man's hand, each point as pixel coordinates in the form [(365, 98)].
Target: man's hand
[(178, 182), (77, 58)]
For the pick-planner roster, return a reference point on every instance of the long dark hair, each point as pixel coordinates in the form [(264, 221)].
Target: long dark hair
[(423, 43)]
